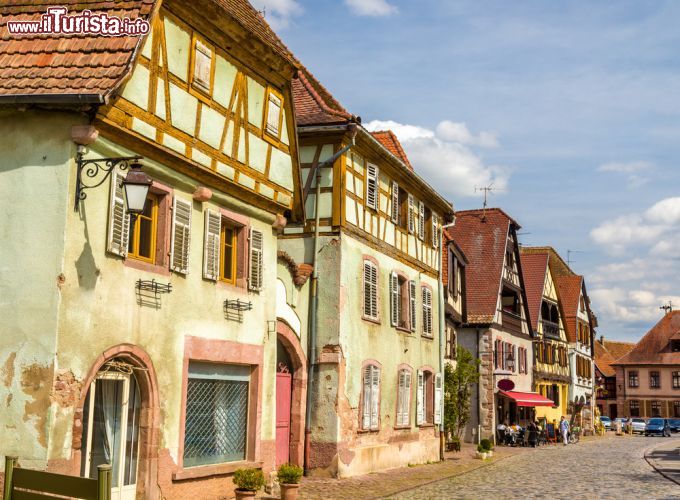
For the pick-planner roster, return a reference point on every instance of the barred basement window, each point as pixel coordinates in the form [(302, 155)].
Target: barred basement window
[(216, 426), (370, 290), (427, 311)]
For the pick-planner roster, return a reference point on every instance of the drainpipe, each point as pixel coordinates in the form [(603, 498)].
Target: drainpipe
[(442, 334), (314, 297), (479, 393)]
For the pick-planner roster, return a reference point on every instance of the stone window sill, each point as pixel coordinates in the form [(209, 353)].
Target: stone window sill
[(375, 321), (368, 431), (140, 265), (402, 427), (427, 336), (213, 470)]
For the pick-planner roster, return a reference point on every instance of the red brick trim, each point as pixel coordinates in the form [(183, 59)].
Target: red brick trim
[(404, 366), (298, 405), (149, 419), (366, 363), (227, 352)]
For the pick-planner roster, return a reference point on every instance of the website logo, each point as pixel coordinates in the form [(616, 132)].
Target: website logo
[(57, 21)]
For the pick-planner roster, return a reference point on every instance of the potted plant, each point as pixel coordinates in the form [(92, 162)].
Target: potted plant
[(289, 478), (488, 446), (247, 482), (481, 452)]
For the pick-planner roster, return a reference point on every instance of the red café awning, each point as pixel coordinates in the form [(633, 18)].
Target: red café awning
[(527, 398)]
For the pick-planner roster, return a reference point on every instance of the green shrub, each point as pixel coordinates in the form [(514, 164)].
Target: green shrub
[(289, 474), (481, 449), (486, 444), (249, 479)]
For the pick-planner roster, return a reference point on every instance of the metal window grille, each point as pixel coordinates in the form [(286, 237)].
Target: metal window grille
[(216, 421)]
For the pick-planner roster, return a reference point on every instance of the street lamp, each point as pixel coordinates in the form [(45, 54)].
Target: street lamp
[(89, 175)]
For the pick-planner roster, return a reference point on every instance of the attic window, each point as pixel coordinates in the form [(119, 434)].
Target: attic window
[(510, 301), (675, 345), (202, 65), (274, 105)]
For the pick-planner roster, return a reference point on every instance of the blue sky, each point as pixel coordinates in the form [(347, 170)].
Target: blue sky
[(571, 109)]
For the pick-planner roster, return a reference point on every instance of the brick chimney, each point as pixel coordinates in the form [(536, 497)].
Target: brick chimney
[(602, 340)]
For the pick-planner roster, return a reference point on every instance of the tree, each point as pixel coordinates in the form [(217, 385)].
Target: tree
[(457, 391)]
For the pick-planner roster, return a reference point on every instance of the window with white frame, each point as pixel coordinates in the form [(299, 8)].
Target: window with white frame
[(402, 302), (428, 398), (274, 115), (372, 186), (370, 290), (427, 311), (216, 424), (370, 415), (404, 398)]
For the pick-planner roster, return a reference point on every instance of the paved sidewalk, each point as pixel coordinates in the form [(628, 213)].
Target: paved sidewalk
[(665, 458), (381, 484)]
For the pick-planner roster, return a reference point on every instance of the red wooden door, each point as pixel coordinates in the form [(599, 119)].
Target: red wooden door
[(283, 394)]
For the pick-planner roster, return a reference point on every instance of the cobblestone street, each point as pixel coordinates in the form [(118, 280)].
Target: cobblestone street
[(613, 467)]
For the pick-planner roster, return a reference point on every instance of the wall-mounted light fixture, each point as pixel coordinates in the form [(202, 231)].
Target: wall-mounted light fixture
[(93, 173)]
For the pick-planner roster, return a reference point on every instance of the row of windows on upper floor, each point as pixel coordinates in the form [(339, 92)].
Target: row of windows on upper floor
[(428, 397), (403, 298), (654, 379), (509, 357), (404, 210), (232, 251)]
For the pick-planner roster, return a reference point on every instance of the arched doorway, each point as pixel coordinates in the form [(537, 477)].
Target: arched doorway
[(120, 421), (291, 389)]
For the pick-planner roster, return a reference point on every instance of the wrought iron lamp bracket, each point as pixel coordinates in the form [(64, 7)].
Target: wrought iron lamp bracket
[(93, 173)]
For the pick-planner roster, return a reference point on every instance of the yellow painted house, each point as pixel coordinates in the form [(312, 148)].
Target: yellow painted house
[(551, 366)]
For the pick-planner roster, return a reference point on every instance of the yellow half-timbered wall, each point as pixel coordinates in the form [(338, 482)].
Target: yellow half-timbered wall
[(192, 98), (342, 203)]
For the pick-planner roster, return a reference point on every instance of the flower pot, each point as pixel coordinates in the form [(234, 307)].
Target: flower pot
[(289, 491), (244, 494), (481, 454), (489, 453)]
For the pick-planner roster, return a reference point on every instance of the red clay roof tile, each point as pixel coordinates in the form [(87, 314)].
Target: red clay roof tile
[(534, 268), (569, 295), (654, 348), (390, 141)]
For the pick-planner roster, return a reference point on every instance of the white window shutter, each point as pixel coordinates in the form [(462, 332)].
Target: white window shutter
[(370, 290), (375, 397), (256, 259), (412, 304), (394, 299), (427, 310), (411, 215), (181, 234), (119, 220), (211, 245), (407, 397), (420, 392), (421, 220), (400, 397), (395, 202), (372, 186), (435, 230), (273, 114), (366, 410), (438, 398)]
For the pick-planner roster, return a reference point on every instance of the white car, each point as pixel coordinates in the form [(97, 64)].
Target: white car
[(606, 421), (639, 425)]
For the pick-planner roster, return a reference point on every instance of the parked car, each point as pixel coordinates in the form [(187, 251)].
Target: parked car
[(606, 421), (638, 424), (675, 424), (658, 426)]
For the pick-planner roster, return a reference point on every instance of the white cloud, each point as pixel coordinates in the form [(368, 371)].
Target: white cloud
[(373, 8), (630, 306), (632, 170), (278, 13), (458, 132), (444, 159), (660, 220)]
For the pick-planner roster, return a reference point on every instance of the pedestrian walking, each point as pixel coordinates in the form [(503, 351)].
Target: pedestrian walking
[(564, 429)]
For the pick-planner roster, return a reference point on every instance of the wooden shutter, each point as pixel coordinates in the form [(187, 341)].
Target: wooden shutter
[(181, 234), (411, 215), (421, 220), (420, 415), (273, 114), (119, 220), (400, 397), (412, 304), (256, 259), (366, 402), (375, 396), (404, 395), (427, 310), (394, 299), (514, 358), (395, 202), (435, 230), (438, 398), (370, 290), (372, 186), (211, 245)]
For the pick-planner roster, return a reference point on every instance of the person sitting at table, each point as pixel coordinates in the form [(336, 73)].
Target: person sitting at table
[(533, 434)]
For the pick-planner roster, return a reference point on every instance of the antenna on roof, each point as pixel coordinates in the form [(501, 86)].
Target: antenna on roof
[(667, 307), (263, 11), (569, 259), (487, 190)]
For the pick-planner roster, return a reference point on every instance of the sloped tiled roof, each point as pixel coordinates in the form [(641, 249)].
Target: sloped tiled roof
[(654, 347), (534, 268), (604, 360), (314, 105), (558, 267), (482, 235), (617, 348), (569, 294), (390, 141), (60, 64)]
